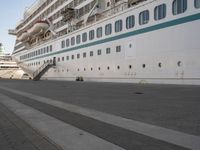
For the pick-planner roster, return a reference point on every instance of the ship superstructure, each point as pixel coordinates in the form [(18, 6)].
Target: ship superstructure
[(141, 41), (9, 68)]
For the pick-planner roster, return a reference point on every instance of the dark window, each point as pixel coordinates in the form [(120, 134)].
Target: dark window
[(84, 55), (118, 26), (179, 6), (118, 48), (107, 50), (67, 57), (160, 12), (108, 29), (197, 3), (72, 41), (130, 22), (144, 17), (50, 48), (91, 53), (99, 32), (78, 56), (67, 43), (91, 35), (78, 39), (99, 52), (72, 56), (84, 37), (63, 44)]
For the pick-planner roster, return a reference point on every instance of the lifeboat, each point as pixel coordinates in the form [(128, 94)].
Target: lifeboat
[(38, 28), (24, 36)]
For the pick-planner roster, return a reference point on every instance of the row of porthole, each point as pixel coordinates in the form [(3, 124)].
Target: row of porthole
[(179, 64)]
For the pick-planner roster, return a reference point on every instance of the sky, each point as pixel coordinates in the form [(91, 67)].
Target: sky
[(11, 12)]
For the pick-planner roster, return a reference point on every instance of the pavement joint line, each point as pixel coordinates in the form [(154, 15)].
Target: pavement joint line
[(41, 142), (160, 133), (66, 136)]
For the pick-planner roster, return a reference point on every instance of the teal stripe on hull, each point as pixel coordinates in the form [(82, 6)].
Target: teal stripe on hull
[(125, 35)]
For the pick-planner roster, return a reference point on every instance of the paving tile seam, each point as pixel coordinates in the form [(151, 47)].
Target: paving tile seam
[(15, 121), (120, 133), (160, 133), (9, 133), (86, 141)]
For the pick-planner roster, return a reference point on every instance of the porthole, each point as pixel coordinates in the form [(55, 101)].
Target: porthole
[(144, 66), (118, 67), (108, 68), (99, 68), (159, 64), (130, 66), (179, 63)]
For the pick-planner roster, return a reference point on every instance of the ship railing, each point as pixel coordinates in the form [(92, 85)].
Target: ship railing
[(42, 68)]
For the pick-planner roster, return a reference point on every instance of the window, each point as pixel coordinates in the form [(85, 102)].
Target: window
[(118, 49), (78, 56), (63, 58), (130, 22), (44, 51), (72, 41), (118, 26), (91, 35), (179, 6), (84, 37), (47, 49), (67, 58), (63, 44), (50, 48), (58, 59), (99, 32), (108, 29), (78, 39), (144, 17), (99, 52), (107, 50), (72, 56), (67, 43), (197, 3), (91, 53), (160, 12), (84, 55)]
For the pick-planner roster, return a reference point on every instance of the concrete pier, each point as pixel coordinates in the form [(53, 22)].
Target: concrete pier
[(98, 116)]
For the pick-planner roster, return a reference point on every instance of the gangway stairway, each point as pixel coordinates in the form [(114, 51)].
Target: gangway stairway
[(41, 71)]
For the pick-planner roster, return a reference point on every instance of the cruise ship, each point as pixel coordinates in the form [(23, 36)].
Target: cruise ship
[(9, 68), (134, 41)]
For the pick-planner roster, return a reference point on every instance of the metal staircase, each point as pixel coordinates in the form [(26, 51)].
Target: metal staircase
[(40, 71)]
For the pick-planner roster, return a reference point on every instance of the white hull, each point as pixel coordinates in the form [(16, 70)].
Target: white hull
[(161, 52)]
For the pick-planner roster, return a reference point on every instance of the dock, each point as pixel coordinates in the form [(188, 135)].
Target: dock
[(66, 115)]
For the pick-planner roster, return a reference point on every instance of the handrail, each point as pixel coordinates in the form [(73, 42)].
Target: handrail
[(41, 68)]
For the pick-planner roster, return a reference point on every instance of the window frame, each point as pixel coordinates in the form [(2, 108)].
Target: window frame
[(160, 12), (144, 17), (99, 30), (84, 37), (108, 29), (179, 5), (128, 20), (118, 25), (91, 35), (197, 4)]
